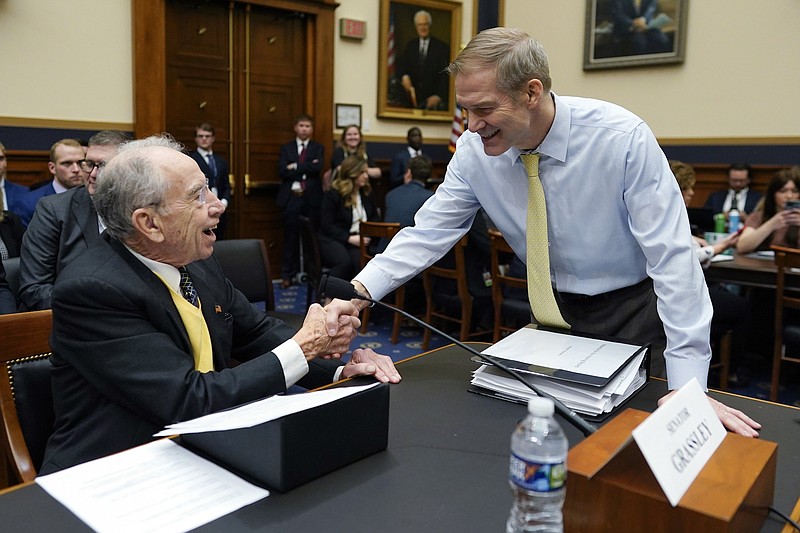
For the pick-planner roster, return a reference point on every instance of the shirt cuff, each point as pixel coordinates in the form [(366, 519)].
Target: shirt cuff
[(292, 360), (338, 374), (681, 371)]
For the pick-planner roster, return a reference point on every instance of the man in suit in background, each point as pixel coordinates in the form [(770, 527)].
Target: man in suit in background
[(63, 227), (403, 202), (65, 166), (421, 67), (300, 167), (13, 193), (214, 166), (401, 158), (146, 326), (740, 176)]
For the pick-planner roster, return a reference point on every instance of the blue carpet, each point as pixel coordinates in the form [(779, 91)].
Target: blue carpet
[(379, 332)]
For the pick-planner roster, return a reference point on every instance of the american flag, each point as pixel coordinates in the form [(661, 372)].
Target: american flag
[(459, 123), (390, 49)]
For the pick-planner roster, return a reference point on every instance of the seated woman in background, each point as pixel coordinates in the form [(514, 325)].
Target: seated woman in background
[(352, 143), (344, 207), (771, 222)]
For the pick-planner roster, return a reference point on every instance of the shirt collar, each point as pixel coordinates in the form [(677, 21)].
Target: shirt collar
[(168, 273), (58, 187), (204, 153), (556, 141)]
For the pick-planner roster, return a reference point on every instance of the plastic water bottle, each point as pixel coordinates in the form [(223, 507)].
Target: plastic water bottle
[(733, 220), (538, 471)]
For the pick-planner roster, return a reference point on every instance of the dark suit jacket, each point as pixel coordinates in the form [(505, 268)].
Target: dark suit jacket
[(716, 199), (312, 168), (336, 219), (11, 231), (399, 166), (15, 197), (122, 361), (63, 227), (30, 200), (402, 203), (220, 181), (8, 303), (429, 77)]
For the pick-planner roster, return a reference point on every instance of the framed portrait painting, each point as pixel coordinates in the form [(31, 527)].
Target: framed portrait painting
[(633, 33), (418, 39)]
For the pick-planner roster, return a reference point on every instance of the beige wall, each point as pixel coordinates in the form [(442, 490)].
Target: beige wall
[(65, 61), (70, 62)]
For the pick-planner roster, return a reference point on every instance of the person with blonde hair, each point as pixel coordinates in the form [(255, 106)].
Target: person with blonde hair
[(344, 207)]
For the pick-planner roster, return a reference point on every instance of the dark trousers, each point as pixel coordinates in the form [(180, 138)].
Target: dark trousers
[(297, 205), (627, 314), (343, 260)]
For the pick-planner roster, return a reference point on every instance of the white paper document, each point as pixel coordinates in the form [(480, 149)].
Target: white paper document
[(590, 376), (155, 487), (559, 351), (260, 411)]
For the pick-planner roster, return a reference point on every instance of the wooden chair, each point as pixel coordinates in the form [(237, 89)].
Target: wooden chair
[(787, 334), (26, 401), (462, 299), (376, 231), (724, 361), (505, 308), (312, 259), (245, 262)]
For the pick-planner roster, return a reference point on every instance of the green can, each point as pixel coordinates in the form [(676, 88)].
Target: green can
[(720, 223)]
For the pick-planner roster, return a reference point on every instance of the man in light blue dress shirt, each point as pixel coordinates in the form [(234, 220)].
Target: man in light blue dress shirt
[(621, 256)]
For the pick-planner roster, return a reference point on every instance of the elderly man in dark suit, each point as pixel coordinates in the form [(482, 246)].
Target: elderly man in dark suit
[(214, 166), (63, 227), (300, 193), (146, 327), (421, 67)]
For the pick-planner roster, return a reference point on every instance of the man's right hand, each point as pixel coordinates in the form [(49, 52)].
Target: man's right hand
[(328, 332)]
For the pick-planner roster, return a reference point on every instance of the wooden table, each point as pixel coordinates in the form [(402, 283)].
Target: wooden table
[(750, 270)]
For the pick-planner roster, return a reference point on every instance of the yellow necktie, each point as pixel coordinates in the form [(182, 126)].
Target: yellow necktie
[(540, 290), (196, 329)]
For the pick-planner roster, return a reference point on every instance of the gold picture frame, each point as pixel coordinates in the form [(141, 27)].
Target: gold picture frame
[(431, 97), (621, 35)]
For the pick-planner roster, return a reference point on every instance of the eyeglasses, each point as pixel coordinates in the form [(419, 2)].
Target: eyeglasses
[(87, 165)]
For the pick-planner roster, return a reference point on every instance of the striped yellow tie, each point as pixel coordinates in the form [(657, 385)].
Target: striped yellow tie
[(540, 291)]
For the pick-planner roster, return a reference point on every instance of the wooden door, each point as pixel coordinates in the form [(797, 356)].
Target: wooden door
[(248, 68)]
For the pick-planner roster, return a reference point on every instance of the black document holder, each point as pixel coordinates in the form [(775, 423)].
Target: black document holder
[(297, 448)]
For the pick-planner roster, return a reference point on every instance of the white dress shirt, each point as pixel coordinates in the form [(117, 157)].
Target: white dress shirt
[(615, 216)]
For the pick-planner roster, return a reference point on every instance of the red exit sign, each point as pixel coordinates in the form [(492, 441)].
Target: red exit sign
[(353, 29)]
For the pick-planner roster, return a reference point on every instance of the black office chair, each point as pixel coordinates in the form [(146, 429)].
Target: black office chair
[(11, 267), (312, 259), (246, 264), (26, 400)]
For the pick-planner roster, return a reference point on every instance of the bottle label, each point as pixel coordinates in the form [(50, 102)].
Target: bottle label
[(535, 476)]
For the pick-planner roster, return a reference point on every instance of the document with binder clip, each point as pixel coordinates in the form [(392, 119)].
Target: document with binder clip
[(592, 376)]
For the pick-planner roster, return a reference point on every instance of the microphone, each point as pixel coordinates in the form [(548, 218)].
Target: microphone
[(344, 290)]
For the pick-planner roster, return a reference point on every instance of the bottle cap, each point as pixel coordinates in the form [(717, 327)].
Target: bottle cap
[(539, 406)]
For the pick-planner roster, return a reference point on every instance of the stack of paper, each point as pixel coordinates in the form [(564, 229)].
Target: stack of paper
[(590, 376)]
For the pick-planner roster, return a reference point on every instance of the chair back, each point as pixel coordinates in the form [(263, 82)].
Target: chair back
[(246, 264), (312, 259), (11, 266), (26, 400), (462, 299), (505, 308), (374, 231), (786, 332)]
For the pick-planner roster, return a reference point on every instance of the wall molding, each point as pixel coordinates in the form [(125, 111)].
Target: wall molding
[(28, 122)]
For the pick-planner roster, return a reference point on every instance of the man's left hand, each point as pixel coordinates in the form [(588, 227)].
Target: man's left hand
[(365, 362), (733, 419)]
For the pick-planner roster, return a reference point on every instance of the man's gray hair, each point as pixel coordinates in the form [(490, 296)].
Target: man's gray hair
[(109, 138), (131, 181), (515, 56)]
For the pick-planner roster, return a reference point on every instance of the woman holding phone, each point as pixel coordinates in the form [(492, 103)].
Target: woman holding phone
[(776, 218)]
